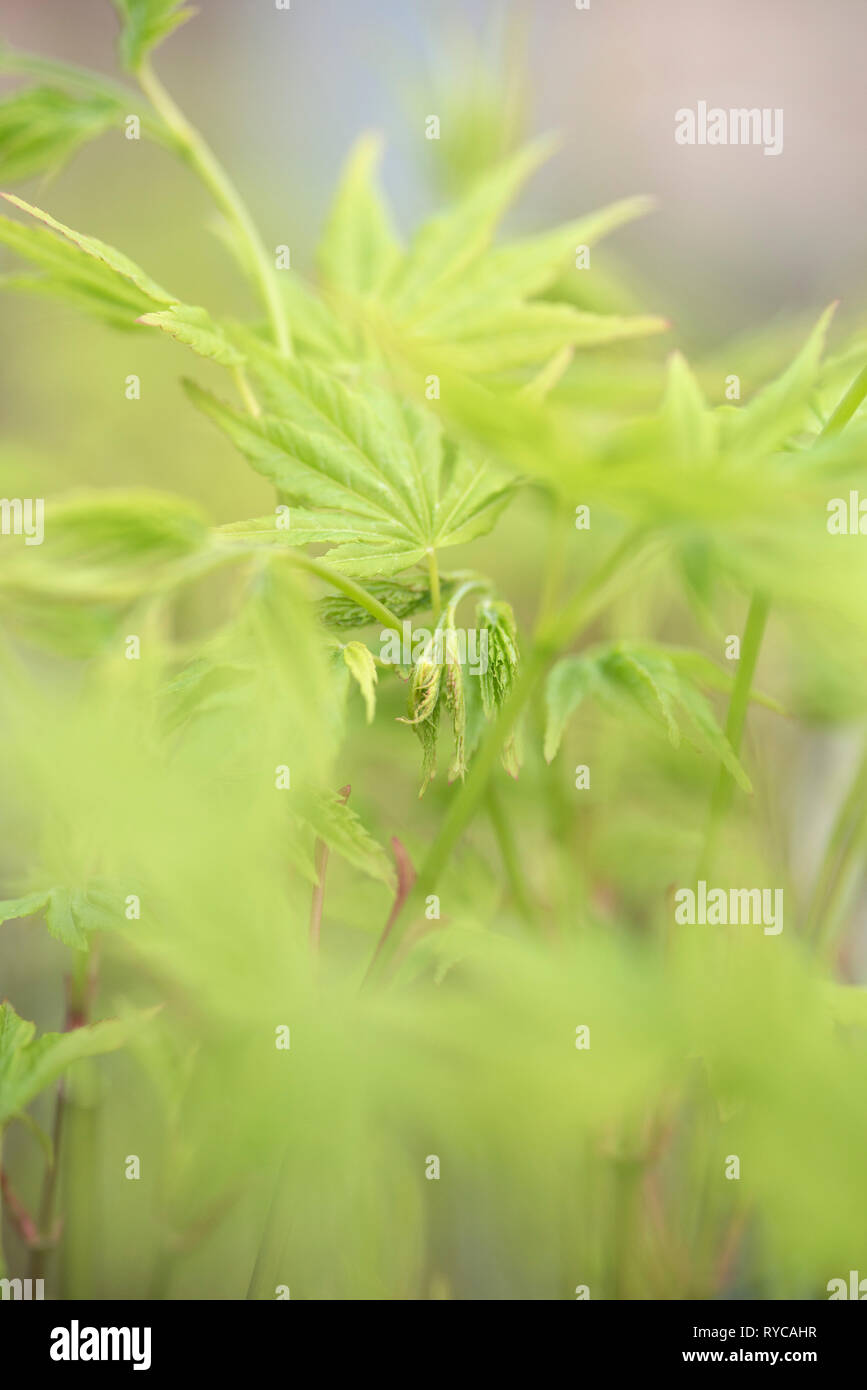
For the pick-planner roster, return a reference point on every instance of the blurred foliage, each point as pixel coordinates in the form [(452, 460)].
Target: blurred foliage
[(312, 983)]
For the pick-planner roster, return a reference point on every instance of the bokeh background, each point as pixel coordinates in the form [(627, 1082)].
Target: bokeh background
[(741, 254)]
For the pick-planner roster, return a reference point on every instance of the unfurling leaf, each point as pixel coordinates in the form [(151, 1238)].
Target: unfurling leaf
[(455, 701)]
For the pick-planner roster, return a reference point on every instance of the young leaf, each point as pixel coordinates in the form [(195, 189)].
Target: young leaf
[(498, 629), (56, 904), (334, 822), (643, 677), (423, 709), (41, 127), (29, 1063), (100, 553), (69, 915), (359, 249), (687, 421), (28, 906), (145, 24), (768, 421), (454, 695), (339, 613), (362, 667)]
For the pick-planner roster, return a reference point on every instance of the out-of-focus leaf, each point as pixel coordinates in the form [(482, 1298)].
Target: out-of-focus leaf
[(688, 423), (42, 127), (104, 281), (343, 831), (100, 553), (637, 677), (454, 296), (57, 905), (362, 668), (145, 24), (29, 1063), (359, 249), (765, 423)]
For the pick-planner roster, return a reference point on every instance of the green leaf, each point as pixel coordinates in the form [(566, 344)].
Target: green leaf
[(688, 424), (71, 914), (201, 688), (339, 613), (626, 676), (100, 553), (514, 334), (498, 628), (445, 246), (104, 281), (362, 668), (145, 24), (41, 127), (196, 329), (28, 906), (372, 469), (56, 904), (342, 831), (781, 408), (359, 249), (125, 274), (452, 296), (531, 265), (454, 697), (28, 1064)]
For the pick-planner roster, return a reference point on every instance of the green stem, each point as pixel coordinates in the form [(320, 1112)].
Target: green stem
[(851, 862), (346, 586), (840, 834), (847, 407), (201, 158), (509, 854), (246, 392), (433, 571), (757, 618), (77, 1014)]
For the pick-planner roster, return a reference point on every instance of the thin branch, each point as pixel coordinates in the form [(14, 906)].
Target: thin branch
[(202, 159)]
